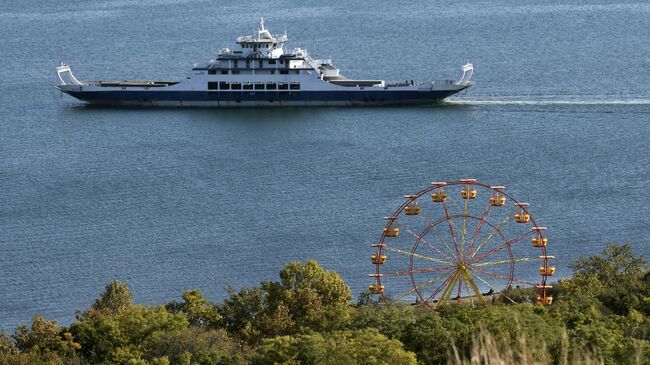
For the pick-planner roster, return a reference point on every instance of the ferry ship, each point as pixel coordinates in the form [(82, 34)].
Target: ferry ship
[(261, 72)]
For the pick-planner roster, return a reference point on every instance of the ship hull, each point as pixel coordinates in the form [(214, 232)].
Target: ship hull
[(261, 98)]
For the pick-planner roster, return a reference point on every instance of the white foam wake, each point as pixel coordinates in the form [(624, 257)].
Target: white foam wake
[(549, 102)]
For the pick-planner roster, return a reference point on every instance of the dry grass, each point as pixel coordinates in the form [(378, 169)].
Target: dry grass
[(486, 350)]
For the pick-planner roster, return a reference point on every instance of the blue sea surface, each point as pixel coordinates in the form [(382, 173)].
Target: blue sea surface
[(174, 199)]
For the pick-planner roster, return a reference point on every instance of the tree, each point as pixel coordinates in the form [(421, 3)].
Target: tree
[(115, 299), (621, 277), (45, 336), (122, 337), (99, 335), (307, 296), (199, 345), (615, 262), (311, 282), (390, 320), (335, 348), (7, 346), (242, 308), (198, 310), (310, 293), (429, 339)]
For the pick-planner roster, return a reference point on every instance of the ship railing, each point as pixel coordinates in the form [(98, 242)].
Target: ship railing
[(315, 64), (402, 83), (64, 72)]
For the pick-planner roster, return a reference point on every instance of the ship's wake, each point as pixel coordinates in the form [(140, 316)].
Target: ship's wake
[(487, 101)]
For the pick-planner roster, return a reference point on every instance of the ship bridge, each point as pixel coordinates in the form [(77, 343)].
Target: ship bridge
[(262, 44)]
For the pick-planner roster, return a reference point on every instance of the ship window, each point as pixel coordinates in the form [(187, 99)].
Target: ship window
[(295, 86), (248, 64), (212, 71), (297, 72), (283, 86), (248, 86), (213, 85), (235, 72), (235, 86), (259, 64), (259, 86), (224, 86), (224, 72), (271, 62), (272, 72), (284, 72), (270, 86)]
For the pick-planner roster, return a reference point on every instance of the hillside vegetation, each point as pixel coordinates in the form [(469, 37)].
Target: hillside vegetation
[(600, 315)]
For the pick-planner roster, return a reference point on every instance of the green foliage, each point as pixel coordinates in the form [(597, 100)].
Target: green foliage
[(115, 299), (197, 345), (306, 318), (45, 337), (99, 335), (429, 338), (7, 346), (311, 283), (307, 297), (622, 279), (390, 320), (120, 338), (241, 310), (310, 293), (198, 310), (341, 347)]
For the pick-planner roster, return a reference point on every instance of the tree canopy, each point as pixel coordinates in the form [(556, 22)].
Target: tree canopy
[(306, 317)]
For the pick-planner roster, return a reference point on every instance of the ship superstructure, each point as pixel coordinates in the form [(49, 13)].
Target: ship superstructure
[(262, 72)]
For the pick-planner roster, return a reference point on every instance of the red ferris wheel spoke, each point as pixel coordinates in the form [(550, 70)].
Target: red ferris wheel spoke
[(494, 231), (420, 286), (407, 229), (451, 229), (500, 276), (501, 262), (478, 229), (499, 248), (435, 249), (418, 271), (489, 285), (407, 253), (430, 222), (464, 233), (446, 294), (444, 283)]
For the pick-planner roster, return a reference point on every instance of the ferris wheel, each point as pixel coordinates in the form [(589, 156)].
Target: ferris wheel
[(462, 241)]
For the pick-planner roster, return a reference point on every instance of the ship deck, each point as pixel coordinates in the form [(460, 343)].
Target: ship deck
[(127, 83)]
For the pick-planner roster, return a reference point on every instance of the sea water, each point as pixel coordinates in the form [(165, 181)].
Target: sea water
[(174, 199)]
